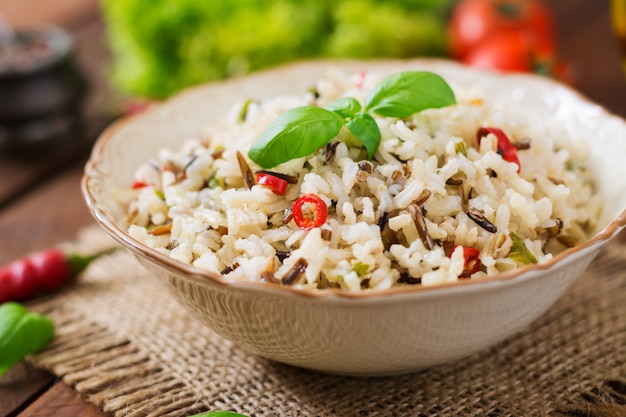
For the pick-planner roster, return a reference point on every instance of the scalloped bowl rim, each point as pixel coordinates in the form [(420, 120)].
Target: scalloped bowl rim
[(535, 271)]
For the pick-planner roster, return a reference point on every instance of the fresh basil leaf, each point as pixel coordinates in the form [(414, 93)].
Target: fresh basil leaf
[(365, 129), (22, 332), (295, 133), (519, 252), (303, 130), (219, 414), (346, 107), (405, 93)]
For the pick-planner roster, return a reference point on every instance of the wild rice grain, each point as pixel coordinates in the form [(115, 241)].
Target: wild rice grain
[(246, 172), (295, 273), (479, 218), (420, 224)]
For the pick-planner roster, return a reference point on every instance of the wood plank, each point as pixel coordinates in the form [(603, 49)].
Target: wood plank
[(51, 215), (21, 385), (25, 173), (62, 401)]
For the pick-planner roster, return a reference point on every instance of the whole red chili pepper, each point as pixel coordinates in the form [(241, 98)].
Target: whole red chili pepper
[(505, 147), (316, 218), (471, 261), (40, 272)]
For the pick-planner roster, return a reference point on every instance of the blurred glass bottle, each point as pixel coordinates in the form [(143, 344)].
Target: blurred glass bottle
[(618, 17)]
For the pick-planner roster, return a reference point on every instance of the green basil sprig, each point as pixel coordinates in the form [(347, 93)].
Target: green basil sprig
[(22, 332), (295, 133), (303, 130)]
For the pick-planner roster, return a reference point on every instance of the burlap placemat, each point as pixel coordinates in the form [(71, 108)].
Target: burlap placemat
[(127, 346)]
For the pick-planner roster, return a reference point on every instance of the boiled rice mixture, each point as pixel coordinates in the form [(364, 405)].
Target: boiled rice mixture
[(434, 205)]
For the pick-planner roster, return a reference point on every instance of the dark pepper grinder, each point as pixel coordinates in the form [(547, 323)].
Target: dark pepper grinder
[(41, 91)]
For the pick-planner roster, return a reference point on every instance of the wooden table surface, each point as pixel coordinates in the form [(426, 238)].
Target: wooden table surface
[(40, 199)]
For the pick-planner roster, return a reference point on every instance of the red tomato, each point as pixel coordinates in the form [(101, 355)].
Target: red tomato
[(510, 51), (473, 21)]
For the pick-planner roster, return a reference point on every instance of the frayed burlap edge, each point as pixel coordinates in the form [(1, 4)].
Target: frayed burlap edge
[(111, 371), (106, 366), (607, 399)]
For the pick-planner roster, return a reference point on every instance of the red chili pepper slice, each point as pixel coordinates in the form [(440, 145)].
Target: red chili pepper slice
[(139, 184), (315, 218), (277, 185), (472, 262), (505, 147)]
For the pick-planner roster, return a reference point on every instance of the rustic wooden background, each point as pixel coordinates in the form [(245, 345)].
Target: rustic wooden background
[(40, 200)]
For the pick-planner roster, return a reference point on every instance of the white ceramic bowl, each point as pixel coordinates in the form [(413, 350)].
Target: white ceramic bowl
[(374, 333)]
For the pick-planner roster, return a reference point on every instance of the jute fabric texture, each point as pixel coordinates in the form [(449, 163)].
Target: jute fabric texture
[(125, 344)]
